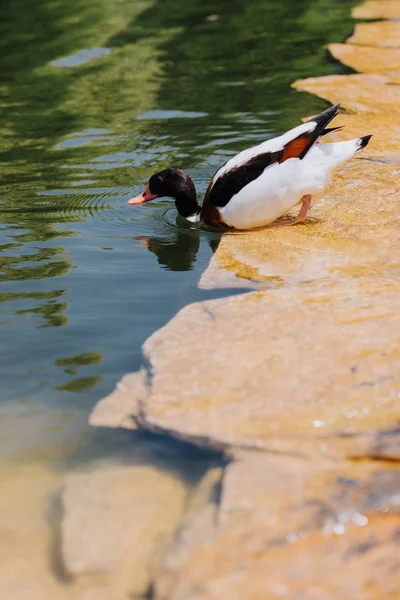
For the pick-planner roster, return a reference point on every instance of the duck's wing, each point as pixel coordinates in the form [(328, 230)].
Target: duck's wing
[(248, 165)]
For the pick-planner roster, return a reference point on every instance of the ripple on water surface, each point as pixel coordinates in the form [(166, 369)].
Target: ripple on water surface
[(82, 57)]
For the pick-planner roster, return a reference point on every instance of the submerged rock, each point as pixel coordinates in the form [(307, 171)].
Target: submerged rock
[(117, 522), (119, 516), (288, 528)]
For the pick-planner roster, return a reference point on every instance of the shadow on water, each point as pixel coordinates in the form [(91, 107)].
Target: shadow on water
[(176, 254), (177, 249)]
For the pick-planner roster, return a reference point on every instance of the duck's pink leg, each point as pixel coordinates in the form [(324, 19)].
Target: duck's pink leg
[(304, 209)]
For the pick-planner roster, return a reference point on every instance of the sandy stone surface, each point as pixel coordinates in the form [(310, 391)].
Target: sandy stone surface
[(116, 410), (298, 380), (118, 520), (30, 569), (324, 367), (371, 96), (377, 9), (367, 59), (381, 34)]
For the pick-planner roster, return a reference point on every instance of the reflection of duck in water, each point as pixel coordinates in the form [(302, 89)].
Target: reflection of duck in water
[(259, 185), (177, 254)]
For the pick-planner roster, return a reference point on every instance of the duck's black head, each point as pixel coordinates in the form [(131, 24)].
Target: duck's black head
[(175, 183)]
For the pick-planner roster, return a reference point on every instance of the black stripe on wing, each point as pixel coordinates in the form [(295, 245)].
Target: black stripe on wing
[(234, 180)]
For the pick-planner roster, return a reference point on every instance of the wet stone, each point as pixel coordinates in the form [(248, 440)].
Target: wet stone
[(367, 59), (119, 518), (381, 34), (379, 445), (117, 409), (284, 528), (377, 9)]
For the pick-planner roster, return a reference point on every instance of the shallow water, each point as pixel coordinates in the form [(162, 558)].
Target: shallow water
[(94, 97)]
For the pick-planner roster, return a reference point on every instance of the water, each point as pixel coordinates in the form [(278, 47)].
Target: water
[(94, 97)]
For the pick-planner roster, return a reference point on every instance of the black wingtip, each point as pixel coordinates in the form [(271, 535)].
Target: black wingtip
[(364, 141), (320, 121), (335, 108), (327, 115)]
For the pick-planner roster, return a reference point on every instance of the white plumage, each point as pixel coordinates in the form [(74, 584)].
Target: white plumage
[(283, 185)]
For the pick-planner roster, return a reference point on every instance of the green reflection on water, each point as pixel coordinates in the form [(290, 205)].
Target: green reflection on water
[(81, 384), (87, 358)]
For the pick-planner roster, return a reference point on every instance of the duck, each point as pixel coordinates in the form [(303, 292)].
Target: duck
[(262, 183)]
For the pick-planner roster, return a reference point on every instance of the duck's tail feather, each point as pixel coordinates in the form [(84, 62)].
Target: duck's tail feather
[(329, 130), (363, 141), (321, 122), (325, 117), (338, 153)]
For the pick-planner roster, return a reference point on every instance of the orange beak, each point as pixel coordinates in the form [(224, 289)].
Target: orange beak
[(146, 196), (142, 241)]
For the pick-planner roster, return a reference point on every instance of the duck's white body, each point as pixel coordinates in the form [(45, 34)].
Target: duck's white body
[(283, 185), (260, 184), (300, 167)]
